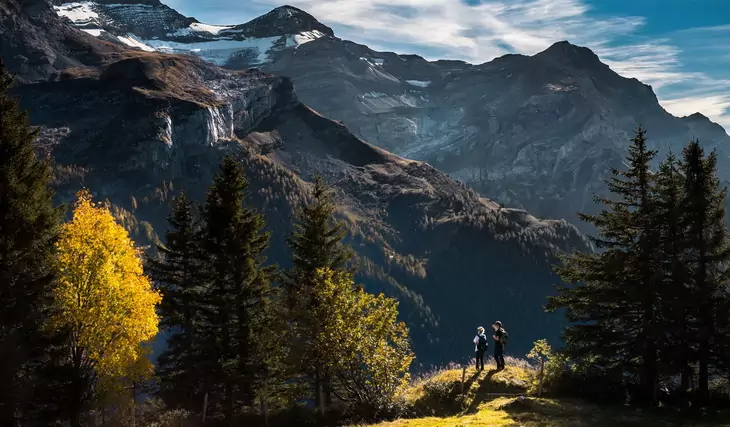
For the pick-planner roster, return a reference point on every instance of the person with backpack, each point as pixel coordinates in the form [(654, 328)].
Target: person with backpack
[(500, 339), (480, 347)]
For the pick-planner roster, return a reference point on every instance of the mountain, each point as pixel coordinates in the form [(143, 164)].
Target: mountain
[(537, 132), (136, 127), (151, 26)]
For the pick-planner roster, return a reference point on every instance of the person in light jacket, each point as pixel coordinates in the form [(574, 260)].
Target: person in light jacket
[(480, 347)]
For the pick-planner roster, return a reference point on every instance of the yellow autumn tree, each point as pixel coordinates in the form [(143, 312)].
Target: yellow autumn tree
[(103, 302)]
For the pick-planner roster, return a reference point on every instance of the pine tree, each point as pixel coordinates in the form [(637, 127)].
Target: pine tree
[(708, 257), (676, 295), (238, 291), (175, 270), (316, 243), (29, 223), (613, 309), (317, 240)]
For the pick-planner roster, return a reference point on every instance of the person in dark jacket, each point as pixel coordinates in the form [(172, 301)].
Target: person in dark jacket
[(480, 347), (498, 344)]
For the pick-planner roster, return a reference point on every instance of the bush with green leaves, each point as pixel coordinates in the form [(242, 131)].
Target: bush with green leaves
[(550, 367)]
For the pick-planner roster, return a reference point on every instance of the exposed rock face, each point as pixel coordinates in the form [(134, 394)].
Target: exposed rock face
[(140, 126), (538, 132), (35, 44)]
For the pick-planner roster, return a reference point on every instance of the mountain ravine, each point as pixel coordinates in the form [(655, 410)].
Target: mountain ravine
[(135, 127), (537, 132)]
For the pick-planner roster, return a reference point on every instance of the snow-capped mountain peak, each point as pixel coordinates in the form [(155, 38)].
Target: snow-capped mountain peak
[(286, 20), (152, 26)]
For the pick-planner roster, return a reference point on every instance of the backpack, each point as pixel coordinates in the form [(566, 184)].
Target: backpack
[(482, 342), (504, 338)]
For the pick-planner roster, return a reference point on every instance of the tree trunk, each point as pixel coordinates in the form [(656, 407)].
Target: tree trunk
[(319, 401), (327, 387), (650, 376), (7, 411), (264, 409), (134, 407), (703, 386), (229, 404), (75, 419), (77, 390), (205, 406), (463, 379)]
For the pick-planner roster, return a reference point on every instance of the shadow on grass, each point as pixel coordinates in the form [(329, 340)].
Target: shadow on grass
[(485, 385), (576, 413)]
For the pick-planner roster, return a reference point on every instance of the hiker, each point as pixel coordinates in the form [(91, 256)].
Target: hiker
[(480, 347), (500, 339)]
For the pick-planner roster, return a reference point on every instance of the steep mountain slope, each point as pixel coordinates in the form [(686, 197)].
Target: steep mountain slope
[(536, 132), (140, 126)]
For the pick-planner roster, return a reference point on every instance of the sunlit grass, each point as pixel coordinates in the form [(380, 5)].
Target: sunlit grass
[(497, 398)]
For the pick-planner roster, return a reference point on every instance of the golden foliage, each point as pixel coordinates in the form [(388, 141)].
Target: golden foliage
[(102, 296)]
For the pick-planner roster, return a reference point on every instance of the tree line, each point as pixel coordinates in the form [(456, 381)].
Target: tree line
[(650, 310), (80, 304)]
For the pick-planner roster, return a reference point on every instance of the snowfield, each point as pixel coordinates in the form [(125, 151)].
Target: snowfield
[(220, 51), (79, 13), (131, 41), (223, 41)]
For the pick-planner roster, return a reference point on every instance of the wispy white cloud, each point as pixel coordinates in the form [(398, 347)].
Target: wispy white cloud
[(676, 65)]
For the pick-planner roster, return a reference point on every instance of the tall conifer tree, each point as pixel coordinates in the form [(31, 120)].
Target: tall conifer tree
[(29, 224), (613, 309), (176, 272), (707, 259), (676, 297), (238, 291), (317, 242)]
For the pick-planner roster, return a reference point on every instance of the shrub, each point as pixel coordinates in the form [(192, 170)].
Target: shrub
[(550, 369)]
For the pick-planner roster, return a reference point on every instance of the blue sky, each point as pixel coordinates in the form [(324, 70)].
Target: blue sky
[(680, 47)]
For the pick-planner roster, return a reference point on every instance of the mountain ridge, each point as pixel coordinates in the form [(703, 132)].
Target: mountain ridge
[(287, 12), (135, 127)]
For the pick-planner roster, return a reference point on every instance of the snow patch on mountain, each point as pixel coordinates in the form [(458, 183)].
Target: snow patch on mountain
[(378, 103), (198, 27), (418, 83), (216, 51), (93, 32), (133, 42), (373, 61), (81, 13), (304, 37), (213, 29)]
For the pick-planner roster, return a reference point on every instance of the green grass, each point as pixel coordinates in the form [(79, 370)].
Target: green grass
[(489, 399)]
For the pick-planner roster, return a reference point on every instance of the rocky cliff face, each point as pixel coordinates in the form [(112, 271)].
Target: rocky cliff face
[(136, 127), (536, 132)]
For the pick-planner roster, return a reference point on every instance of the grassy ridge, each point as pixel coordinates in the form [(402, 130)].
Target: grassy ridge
[(494, 398)]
